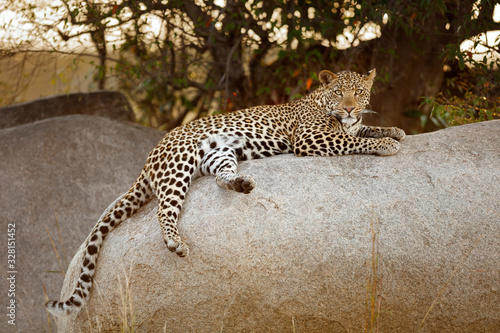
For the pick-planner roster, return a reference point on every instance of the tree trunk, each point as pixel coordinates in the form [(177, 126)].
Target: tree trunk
[(407, 70)]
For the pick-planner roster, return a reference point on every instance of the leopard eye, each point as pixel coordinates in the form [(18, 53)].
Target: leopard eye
[(359, 91), (338, 92)]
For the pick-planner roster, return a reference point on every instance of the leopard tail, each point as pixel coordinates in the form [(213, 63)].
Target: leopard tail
[(121, 209)]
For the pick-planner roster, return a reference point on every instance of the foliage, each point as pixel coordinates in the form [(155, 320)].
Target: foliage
[(183, 59), (473, 94), (455, 110)]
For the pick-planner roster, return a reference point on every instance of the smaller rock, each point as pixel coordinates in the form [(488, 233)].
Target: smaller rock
[(109, 104), (57, 176)]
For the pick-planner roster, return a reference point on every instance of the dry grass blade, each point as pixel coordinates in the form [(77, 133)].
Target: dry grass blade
[(49, 323), (55, 250), (127, 315), (60, 238), (372, 318)]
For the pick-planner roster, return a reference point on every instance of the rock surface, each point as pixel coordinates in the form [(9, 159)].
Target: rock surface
[(109, 104), (297, 254), (57, 176)]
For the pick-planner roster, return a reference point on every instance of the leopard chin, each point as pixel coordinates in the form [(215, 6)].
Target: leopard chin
[(350, 121)]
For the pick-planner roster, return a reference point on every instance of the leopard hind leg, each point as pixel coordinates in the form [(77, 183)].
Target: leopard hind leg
[(220, 160)]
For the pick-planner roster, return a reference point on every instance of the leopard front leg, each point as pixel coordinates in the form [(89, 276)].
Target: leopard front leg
[(381, 147), (323, 143), (381, 132)]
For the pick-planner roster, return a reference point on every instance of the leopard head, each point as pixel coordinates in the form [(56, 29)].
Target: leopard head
[(346, 95)]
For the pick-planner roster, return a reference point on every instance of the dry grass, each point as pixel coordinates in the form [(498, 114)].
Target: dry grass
[(56, 252), (127, 314), (373, 290)]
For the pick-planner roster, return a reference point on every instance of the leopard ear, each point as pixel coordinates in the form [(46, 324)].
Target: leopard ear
[(370, 75), (326, 77)]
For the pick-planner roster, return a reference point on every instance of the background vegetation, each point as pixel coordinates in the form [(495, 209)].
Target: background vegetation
[(181, 59)]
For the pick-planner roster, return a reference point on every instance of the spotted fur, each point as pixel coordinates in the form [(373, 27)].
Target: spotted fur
[(326, 122)]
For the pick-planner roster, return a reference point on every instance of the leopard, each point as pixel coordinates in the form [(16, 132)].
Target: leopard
[(325, 122)]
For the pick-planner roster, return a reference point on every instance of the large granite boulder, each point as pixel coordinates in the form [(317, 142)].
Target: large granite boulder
[(109, 104), (56, 177), (336, 244)]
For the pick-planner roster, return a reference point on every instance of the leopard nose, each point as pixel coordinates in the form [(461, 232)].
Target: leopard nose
[(348, 108)]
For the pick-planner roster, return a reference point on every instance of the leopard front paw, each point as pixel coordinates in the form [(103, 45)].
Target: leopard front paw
[(397, 133), (388, 146)]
